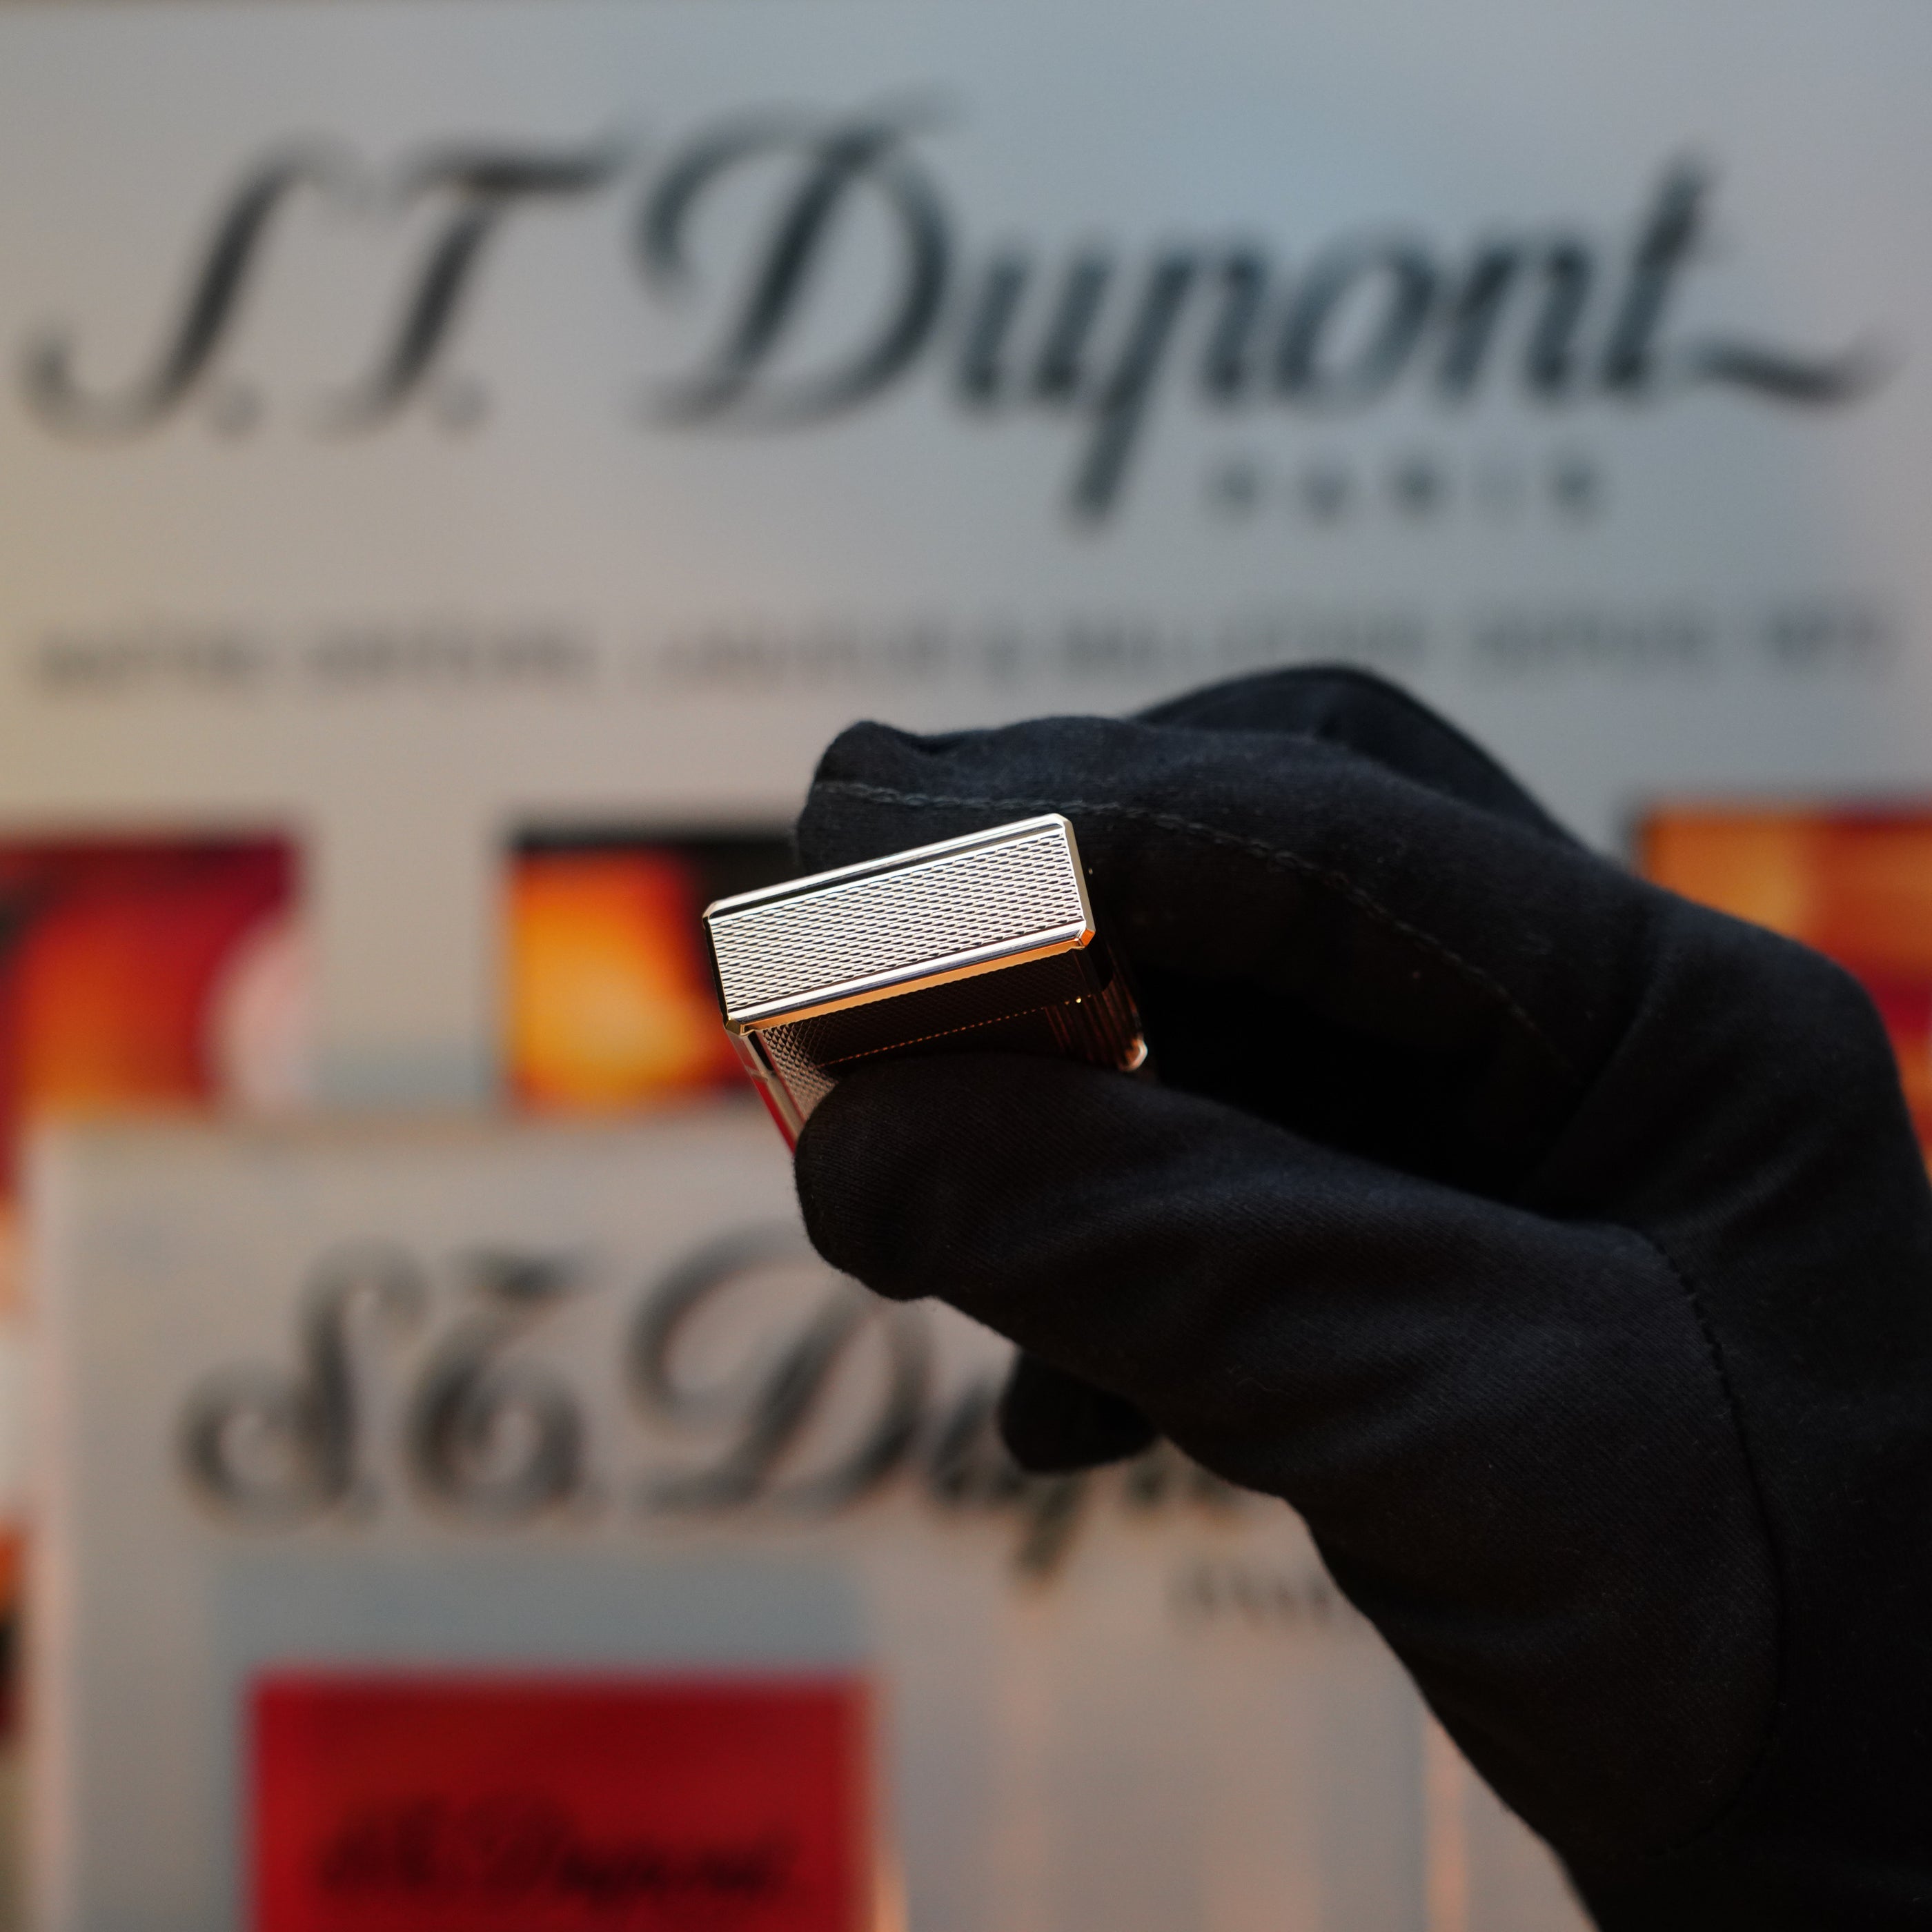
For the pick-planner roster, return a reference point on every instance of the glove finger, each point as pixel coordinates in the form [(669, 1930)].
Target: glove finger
[(1315, 937), (1366, 714), (1052, 1422), (1228, 1279), (1507, 1434)]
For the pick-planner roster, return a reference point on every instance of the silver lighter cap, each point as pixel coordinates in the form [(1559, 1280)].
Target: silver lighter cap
[(919, 918)]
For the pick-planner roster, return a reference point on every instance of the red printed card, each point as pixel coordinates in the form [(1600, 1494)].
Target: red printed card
[(436, 1803)]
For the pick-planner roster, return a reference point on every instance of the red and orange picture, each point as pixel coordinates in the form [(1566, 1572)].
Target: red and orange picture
[(1854, 882), (136, 973), (610, 1002)]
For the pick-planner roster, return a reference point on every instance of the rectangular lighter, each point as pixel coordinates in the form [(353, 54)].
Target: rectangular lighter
[(986, 942)]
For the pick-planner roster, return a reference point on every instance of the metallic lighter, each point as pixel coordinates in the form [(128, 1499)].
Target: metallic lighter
[(986, 942)]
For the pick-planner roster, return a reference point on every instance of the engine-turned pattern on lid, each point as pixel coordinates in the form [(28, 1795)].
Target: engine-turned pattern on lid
[(983, 942)]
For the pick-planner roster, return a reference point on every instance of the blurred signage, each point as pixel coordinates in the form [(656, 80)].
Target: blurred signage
[(392, 1475), (1089, 336), (587, 438), (487, 1435), (439, 1802)]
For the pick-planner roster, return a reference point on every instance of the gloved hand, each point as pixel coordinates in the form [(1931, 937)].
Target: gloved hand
[(1559, 1249)]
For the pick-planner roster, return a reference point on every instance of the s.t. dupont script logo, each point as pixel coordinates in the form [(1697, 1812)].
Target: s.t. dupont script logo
[(751, 1385), (1094, 332)]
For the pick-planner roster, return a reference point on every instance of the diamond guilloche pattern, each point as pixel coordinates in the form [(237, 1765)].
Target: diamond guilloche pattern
[(794, 947)]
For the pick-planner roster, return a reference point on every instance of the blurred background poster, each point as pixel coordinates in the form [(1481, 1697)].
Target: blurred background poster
[(1854, 880), (457, 466), (144, 974), (609, 996), (498, 1496)]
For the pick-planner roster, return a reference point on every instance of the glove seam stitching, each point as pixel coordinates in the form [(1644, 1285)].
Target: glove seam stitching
[(1255, 848), (1761, 1759)]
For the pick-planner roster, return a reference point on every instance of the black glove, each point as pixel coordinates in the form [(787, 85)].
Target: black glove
[(1559, 1249)]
